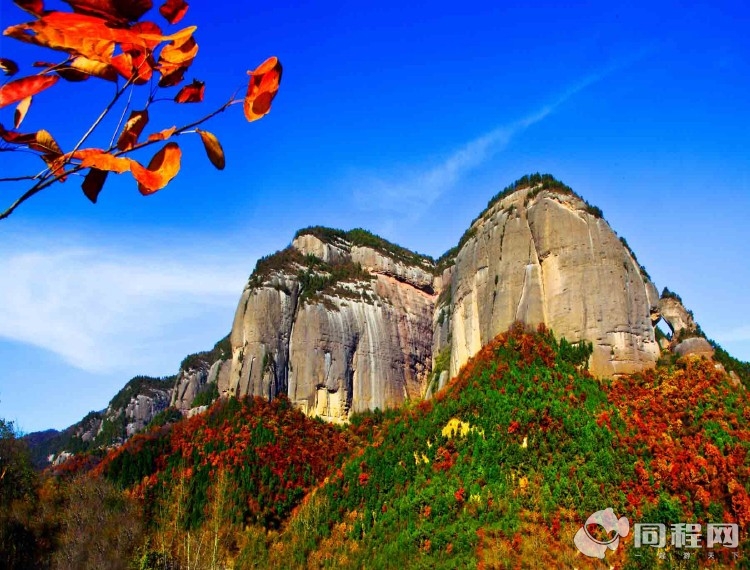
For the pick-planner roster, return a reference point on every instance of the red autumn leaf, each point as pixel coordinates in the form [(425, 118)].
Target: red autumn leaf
[(262, 88), (14, 91), (89, 36), (172, 76), (15, 137), (35, 7), (173, 10), (93, 183), (113, 11), (21, 110), (132, 129), (8, 66), (80, 69), (97, 158), (75, 34), (192, 93), (177, 56), (162, 135), (146, 29), (163, 167)]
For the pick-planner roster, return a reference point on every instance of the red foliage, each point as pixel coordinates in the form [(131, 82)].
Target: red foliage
[(445, 457), (667, 414), (555, 528), (460, 495), (81, 463), (274, 436)]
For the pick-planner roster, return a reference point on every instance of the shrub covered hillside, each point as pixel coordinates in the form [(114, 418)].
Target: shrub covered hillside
[(505, 464), (499, 470), (270, 453)]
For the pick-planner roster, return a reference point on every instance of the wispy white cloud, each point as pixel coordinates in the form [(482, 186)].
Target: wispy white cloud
[(106, 309), (413, 191)]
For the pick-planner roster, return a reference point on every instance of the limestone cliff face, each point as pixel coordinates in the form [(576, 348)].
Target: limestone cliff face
[(343, 321), (676, 315), (142, 408), (337, 326), (189, 383), (547, 257), (196, 379)]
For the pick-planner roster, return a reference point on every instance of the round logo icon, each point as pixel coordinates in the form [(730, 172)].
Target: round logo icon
[(595, 548)]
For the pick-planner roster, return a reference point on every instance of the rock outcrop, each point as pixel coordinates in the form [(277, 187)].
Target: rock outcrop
[(189, 383), (541, 255), (343, 322), (339, 322), (677, 317), (696, 346), (196, 380), (142, 408)]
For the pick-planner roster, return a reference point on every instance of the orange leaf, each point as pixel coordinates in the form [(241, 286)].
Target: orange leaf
[(56, 164), (14, 91), (192, 93), (35, 7), (8, 66), (132, 129), (94, 68), (93, 183), (162, 135), (21, 110), (173, 10), (96, 158), (177, 56), (213, 149), (80, 69), (80, 34), (163, 167), (63, 70), (262, 88), (43, 142), (113, 11), (171, 75)]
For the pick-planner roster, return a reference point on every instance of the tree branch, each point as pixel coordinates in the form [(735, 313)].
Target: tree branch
[(103, 114)]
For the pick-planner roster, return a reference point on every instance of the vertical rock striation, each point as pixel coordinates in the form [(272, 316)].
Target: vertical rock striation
[(545, 256), (339, 322), (345, 321)]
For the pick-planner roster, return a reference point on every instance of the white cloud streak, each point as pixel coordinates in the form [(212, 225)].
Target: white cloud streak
[(102, 309), (414, 191)]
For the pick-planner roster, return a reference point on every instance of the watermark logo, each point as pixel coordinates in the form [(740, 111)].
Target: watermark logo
[(592, 542), (603, 531)]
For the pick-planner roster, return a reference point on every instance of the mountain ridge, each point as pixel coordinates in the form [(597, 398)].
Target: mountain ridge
[(344, 321)]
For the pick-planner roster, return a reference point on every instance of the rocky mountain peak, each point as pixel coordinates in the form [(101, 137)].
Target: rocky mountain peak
[(346, 321)]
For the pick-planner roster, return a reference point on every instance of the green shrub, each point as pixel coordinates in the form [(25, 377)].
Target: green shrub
[(207, 396)]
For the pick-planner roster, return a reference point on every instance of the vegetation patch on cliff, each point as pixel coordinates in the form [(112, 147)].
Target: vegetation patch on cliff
[(539, 183), (364, 238)]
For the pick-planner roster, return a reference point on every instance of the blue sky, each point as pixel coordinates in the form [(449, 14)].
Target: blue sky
[(403, 118)]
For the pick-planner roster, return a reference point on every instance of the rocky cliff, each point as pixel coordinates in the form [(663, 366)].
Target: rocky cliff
[(540, 254), (345, 321), (342, 322)]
